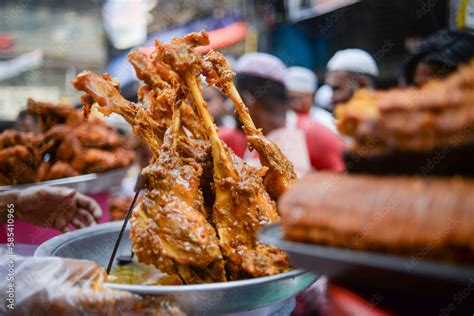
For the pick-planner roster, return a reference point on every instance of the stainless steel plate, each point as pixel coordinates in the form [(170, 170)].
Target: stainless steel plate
[(366, 267), (96, 243), (91, 183)]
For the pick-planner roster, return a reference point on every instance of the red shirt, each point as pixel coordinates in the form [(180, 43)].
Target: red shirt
[(235, 139), (324, 147)]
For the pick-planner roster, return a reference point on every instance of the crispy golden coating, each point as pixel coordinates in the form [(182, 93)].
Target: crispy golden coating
[(20, 157), (57, 152), (59, 170), (50, 114), (61, 143), (18, 165), (94, 160), (162, 89), (98, 135), (11, 137), (105, 92)]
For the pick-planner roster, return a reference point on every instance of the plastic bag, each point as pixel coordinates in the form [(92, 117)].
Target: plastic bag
[(59, 286)]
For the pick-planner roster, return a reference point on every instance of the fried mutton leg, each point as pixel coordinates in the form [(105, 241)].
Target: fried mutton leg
[(241, 207), (202, 235), (105, 92), (281, 173), (242, 204), (169, 227)]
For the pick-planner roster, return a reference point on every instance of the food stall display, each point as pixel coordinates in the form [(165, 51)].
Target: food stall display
[(67, 146), (410, 212), (434, 118), (203, 205), (425, 130), (85, 155), (402, 217)]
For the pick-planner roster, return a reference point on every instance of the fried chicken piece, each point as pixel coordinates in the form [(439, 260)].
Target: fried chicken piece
[(19, 157), (160, 79), (50, 114), (242, 205), (146, 70), (94, 160), (18, 165), (59, 170), (163, 89), (169, 227), (11, 137), (92, 134), (281, 173), (61, 143)]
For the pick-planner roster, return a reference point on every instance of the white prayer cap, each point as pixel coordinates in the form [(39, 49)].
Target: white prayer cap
[(261, 65), (300, 79), (354, 60), (323, 97)]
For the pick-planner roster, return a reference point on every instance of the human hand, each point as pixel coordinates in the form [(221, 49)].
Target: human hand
[(57, 207)]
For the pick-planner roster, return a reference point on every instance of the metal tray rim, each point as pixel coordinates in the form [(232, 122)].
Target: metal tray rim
[(70, 181), (51, 245), (272, 235)]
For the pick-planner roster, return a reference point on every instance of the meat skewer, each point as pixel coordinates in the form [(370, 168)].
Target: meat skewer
[(281, 173)]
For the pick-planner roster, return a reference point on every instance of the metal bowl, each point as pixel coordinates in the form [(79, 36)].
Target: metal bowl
[(91, 183), (263, 296)]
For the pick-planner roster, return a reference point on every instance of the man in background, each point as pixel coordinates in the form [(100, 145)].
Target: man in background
[(349, 70), (437, 56), (216, 103), (260, 81), (301, 84)]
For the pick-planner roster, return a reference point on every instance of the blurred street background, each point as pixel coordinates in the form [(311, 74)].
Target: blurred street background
[(45, 43)]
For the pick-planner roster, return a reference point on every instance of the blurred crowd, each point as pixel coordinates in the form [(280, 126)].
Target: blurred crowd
[(294, 108), (291, 105)]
